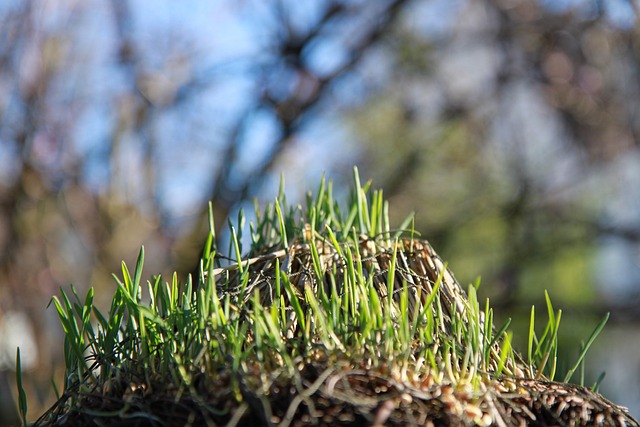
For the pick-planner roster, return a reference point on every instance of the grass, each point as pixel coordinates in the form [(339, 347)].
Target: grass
[(329, 307)]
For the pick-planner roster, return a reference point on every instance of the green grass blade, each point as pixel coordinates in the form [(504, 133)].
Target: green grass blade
[(294, 300), (237, 251), (137, 275), (361, 203), (404, 226), (281, 222), (586, 347), (532, 333), (505, 350), (22, 396), (550, 311), (596, 384), (500, 332)]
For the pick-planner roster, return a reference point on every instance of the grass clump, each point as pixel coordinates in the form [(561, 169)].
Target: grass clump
[(331, 317)]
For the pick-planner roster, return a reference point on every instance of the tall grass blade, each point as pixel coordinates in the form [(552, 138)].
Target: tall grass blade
[(22, 396), (281, 222), (586, 347), (532, 333)]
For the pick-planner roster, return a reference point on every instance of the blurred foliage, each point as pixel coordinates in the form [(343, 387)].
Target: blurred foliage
[(511, 180), (510, 126)]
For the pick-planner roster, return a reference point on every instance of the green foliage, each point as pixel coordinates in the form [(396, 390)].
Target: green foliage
[(317, 283)]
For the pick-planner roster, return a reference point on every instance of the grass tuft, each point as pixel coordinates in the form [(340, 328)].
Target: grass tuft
[(329, 307)]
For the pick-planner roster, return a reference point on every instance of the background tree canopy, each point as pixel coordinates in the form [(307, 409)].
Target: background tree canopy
[(511, 127)]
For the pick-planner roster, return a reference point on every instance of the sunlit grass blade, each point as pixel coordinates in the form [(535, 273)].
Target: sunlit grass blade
[(361, 203), (532, 332), (137, 275), (599, 327), (505, 350)]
